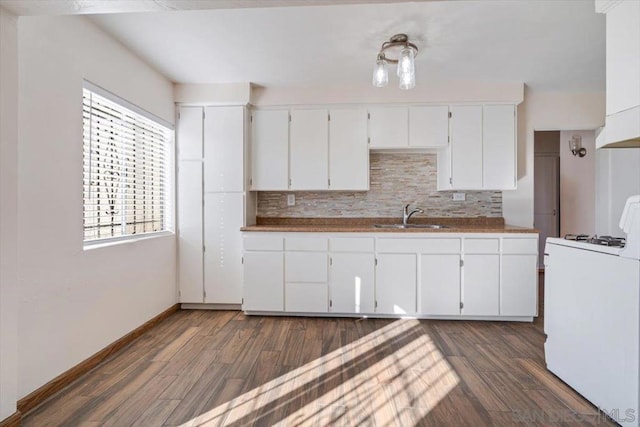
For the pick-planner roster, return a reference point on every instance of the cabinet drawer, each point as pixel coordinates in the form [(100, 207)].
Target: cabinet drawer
[(425, 246), (306, 297), (481, 246), (306, 244), (519, 246), (262, 243), (351, 244), (305, 267)]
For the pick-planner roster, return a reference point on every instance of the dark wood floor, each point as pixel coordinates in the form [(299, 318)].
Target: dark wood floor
[(223, 368)]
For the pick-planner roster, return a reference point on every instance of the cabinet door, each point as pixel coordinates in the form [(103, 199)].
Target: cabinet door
[(351, 283), (444, 169), (306, 297), (189, 133), (389, 127), (270, 150), (224, 149), (190, 261), (348, 150), (440, 284), (480, 292), (499, 147), (429, 126), (309, 149), (519, 287), (623, 57), (223, 214), (466, 147), (396, 284), (263, 281)]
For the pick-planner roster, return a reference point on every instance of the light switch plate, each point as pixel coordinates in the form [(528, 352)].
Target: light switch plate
[(291, 199), (459, 197)]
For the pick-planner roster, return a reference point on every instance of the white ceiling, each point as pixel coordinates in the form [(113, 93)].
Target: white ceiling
[(549, 45)]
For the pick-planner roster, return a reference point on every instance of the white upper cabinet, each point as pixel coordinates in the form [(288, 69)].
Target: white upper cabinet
[(466, 147), (482, 150), (429, 126), (309, 149), (189, 133), (623, 56), (224, 149), (499, 147), (388, 127), (348, 150), (270, 150)]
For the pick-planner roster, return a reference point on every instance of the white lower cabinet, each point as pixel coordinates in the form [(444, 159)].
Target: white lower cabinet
[(519, 286), (396, 284), (306, 276), (440, 284), (481, 290), (263, 279), (223, 248), (458, 275), (351, 283), (305, 297)]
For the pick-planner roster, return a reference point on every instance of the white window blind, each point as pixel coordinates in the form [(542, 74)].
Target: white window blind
[(126, 186)]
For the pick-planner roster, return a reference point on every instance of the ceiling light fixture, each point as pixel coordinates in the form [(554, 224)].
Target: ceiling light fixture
[(406, 53)]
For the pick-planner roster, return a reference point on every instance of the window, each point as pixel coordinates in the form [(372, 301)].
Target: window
[(126, 186)]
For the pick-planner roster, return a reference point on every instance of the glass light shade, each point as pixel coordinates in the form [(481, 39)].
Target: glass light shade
[(406, 69), (380, 73), (406, 63)]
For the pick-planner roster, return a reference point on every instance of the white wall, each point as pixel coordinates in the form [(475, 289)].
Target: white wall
[(546, 111), (75, 302), (617, 178), (8, 212), (577, 185)]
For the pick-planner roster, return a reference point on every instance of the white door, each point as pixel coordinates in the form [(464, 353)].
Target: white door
[(189, 133), (348, 150), (481, 283), (546, 204), (466, 146), (499, 147), (224, 149), (519, 285), (190, 260), (429, 126), (224, 213), (351, 283), (388, 127), (270, 150), (309, 148), (263, 281), (396, 283), (444, 169), (440, 284)]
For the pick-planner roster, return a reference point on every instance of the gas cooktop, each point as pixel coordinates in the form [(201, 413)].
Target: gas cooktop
[(615, 242)]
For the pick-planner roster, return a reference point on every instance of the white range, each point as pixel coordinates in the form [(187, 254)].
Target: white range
[(592, 318)]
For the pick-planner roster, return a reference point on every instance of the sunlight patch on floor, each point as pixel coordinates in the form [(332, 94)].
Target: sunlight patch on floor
[(351, 385)]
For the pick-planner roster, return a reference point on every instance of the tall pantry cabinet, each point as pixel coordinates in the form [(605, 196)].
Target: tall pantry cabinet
[(212, 203)]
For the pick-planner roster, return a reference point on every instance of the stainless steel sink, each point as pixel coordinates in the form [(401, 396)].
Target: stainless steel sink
[(431, 226)]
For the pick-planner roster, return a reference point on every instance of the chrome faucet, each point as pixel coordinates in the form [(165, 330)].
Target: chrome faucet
[(406, 214)]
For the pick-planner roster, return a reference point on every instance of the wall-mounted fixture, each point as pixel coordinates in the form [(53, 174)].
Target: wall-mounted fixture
[(575, 145), (406, 53)]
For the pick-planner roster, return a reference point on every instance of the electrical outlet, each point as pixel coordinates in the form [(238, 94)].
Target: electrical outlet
[(459, 197), (291, 199)]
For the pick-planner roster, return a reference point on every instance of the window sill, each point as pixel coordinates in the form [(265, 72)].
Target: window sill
[(104, 243)]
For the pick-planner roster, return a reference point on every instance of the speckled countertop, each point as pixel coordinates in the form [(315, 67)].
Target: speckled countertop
[(365, 225)]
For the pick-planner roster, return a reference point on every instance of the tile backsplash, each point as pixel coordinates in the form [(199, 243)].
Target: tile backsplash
[(395, 179)]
